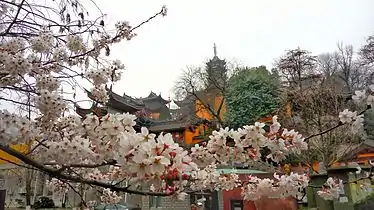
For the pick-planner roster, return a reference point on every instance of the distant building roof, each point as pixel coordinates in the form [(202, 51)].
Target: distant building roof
[(125, 103), (154, 126), (167, 126), (96, 110), (353, 151), (154, 96)]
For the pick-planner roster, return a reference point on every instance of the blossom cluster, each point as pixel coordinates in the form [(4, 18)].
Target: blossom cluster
[(332, 189), (44, 42), (364, 96), (102, 76), (13, 61), (210, 178), (13, 128), (280, 186), (109, 197), (349, 117), (146, 158), (75, 44), (58, 186), (247, 142)]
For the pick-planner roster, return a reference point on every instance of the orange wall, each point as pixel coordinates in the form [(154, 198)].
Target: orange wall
[(189, 135), (204, 113), (155, 116), (19, 147)]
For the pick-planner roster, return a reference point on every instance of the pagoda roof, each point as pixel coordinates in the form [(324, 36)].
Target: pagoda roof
[(153, 96), (99, 111), (186, 101), (129, 104), (154, 127), (123, 103)]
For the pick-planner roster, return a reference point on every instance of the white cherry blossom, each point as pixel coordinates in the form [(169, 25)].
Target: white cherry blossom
[(110, 150)]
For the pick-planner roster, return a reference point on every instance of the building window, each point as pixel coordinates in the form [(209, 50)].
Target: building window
[(202, 199), (236, 205), (154, 201)]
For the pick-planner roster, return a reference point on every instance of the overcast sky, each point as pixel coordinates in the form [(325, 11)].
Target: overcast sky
[(251, 32)]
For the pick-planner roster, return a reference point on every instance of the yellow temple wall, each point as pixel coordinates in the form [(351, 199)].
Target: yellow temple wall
[(5, 158)]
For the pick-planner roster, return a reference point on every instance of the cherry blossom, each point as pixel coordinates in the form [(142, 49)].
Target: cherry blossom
[(280, 186), (107, 151), (110, 197), (347, 116), (359, 96), (332, 189)]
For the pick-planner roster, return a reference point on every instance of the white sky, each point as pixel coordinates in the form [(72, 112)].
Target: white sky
[(251, 32)]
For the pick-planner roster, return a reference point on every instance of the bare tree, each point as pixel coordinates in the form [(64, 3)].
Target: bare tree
[(367, 51), (349, 69), (313, 110), (295, 65), (199, 88), (366, 54), (326, 64), (318, 106)]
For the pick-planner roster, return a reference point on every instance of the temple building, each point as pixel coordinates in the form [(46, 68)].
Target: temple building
[(152, 111), (188, 124)]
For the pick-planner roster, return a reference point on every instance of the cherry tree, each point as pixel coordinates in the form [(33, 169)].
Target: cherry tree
[(39, 54)]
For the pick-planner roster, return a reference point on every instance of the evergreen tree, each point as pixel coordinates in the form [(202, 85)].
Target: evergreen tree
[(252, 93)]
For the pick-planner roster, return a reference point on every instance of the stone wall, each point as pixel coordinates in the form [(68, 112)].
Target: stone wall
[(165, 203)]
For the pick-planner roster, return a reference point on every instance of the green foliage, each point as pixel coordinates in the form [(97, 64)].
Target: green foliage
[(367, 200), (252, 93)]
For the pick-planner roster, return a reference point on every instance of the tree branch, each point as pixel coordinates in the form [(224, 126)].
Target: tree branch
[(14, 163), (15, 17), (57, 174), (105, 163), (334, 127)]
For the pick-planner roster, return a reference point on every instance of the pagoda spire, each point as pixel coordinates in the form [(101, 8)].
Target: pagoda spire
[(215, 49), (169, 101)]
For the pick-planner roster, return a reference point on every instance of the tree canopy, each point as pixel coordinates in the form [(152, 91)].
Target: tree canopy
[(252, 93)]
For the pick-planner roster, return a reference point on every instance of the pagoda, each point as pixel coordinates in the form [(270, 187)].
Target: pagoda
[(216, 70), (211, 95), (193, 108)]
